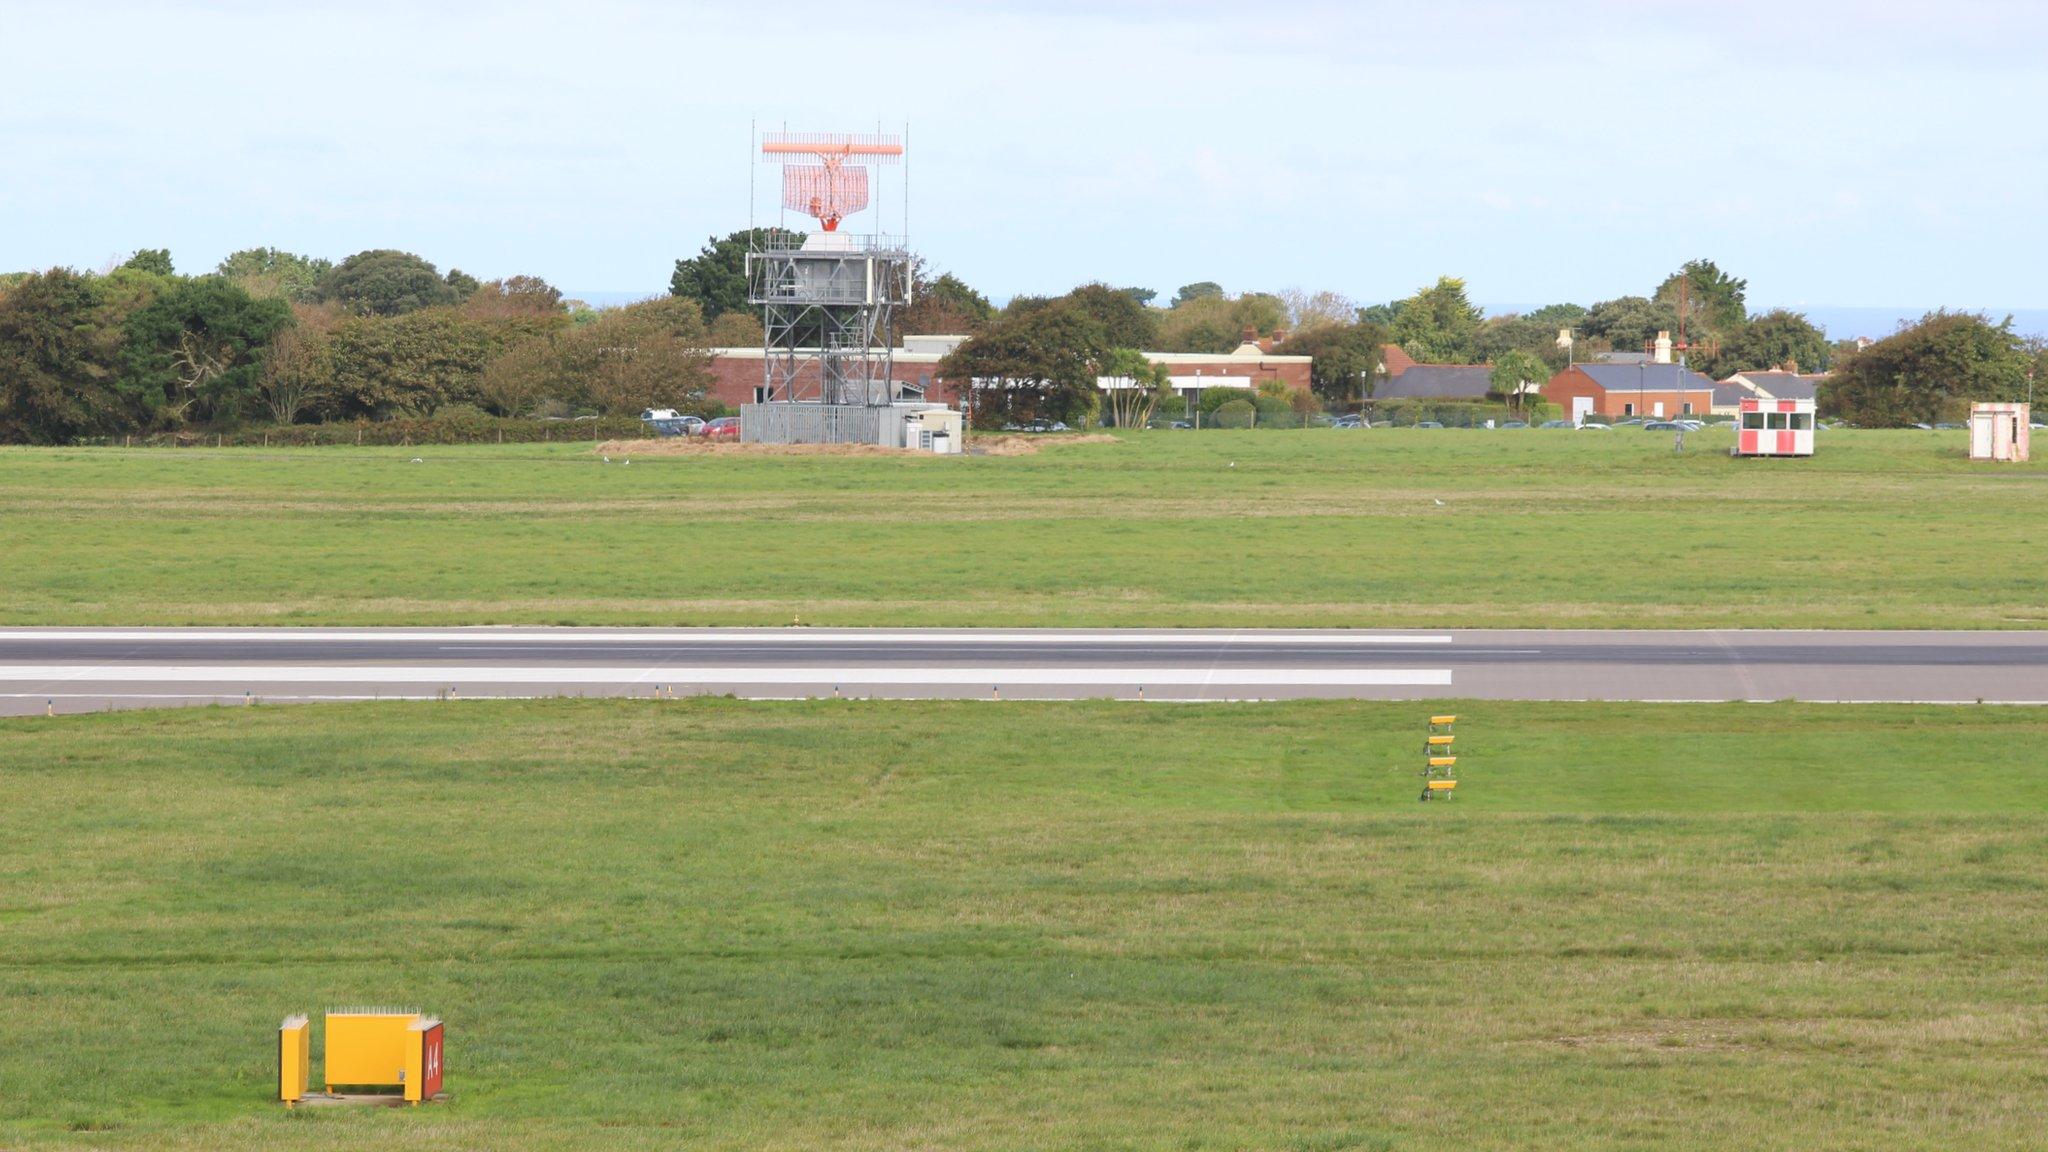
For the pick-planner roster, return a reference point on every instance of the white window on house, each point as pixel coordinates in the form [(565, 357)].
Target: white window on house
[(1659, 406), (1802, 421), (760, 393), (1754, 421), (1628, 409), (1780, 421), (1688, 408)]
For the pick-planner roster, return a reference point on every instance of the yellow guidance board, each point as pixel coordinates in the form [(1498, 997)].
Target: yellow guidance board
[(1439, 761), (294, 1058), (368, 1046)]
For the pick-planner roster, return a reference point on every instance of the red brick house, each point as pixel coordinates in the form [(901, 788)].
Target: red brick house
[(1619, 391)]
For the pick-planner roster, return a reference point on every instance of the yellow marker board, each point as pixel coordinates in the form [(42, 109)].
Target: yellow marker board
[(294, 1058), (367, 1046), (1442, 785), (1443, 719), (1442, 761)]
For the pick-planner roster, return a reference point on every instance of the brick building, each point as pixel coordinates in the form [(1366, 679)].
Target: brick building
[(736, 373), (1618, 391)]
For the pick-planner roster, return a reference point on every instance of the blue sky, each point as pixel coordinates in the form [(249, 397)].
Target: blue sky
[(1872, 154)]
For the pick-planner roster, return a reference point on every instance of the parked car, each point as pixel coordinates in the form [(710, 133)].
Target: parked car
[(1555, 424), (723, 428), (1428, 424), (669, 422), (1665, 426), (1590, 426), (1515, 424), (1180, 424), (1351, 421), (1946, 427)]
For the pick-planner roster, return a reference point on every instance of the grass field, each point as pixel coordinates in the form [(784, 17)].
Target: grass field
[(1327, 528), (995, 926)]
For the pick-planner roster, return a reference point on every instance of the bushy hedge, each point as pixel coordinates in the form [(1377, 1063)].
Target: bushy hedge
[(1233, 414), (458, 428), (1452, 413)]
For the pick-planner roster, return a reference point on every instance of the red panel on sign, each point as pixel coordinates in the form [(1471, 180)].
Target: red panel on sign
[(1748, 445), (430, 1078), (1784, 443)]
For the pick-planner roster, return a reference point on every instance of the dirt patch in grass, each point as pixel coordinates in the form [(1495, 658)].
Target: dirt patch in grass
[(1006, 444), (994, 444)]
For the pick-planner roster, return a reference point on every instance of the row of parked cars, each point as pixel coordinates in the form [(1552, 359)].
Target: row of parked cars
[(669, 422), (1688, 425)]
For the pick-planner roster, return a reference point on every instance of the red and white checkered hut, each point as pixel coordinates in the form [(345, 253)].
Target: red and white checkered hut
[(1774, 428)]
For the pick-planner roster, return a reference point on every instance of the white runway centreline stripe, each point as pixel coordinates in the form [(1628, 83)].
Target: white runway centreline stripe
[(255, 676), (786, 636)]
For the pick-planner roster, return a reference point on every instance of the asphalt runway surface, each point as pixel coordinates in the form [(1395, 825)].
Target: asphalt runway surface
[(74, 670)]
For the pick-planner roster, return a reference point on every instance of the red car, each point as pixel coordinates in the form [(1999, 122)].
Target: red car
[(723, 428)]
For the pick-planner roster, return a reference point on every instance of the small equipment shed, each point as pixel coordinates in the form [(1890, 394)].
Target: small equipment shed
[(2000, 432), (1774, 428)]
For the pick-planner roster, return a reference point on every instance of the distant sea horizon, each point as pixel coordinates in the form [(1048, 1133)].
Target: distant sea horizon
[(1840, 322)]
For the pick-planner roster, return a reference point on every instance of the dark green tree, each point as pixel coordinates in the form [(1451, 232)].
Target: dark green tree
[(1628, 323), (1776, 339), (1125, 322), (1930, 372), (1713, 298), (414, 363), (56, 362), (1041, 362), (1501, 335), (274, 272), (387, 282), (716, 278), (463, 284), (1437, 324), (1558, 315), (1199, 290), (155, 261), (194, 353), (945, 305), (1346, 366)]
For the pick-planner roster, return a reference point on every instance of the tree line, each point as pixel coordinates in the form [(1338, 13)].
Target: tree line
[(1049, 352), (273, 337), (276, 338)]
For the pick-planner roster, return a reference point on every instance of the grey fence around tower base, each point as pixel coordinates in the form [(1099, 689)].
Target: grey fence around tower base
[(795, 423)]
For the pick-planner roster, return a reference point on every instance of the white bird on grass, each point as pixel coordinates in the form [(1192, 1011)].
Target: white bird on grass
[(1439, 503)]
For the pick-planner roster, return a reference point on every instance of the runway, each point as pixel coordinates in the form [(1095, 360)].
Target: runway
[(74, 670)]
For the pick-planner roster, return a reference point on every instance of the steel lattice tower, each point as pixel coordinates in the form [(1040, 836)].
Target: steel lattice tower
[(828, 300)]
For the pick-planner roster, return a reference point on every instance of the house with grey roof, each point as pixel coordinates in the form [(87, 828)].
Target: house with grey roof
[(1775, 384)]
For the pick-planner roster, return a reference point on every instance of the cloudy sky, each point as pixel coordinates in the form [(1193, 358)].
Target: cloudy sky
[(1877, 153)]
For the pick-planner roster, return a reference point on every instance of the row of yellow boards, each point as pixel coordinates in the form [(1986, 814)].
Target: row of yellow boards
[(1437, 779), (366, 1048)]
